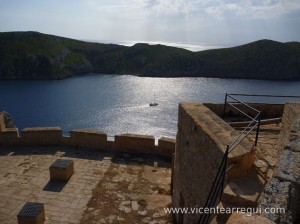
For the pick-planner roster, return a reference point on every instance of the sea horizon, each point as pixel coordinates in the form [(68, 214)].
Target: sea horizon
[(191, 46)]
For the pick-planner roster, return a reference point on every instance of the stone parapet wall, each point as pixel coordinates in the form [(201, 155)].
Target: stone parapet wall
[(289, 129), (42, 136), (2, 124), (268, 110), (86, 139), (134, 143), (201, 142), (166, 146), (9, 137), (196, 161), (283, 190)]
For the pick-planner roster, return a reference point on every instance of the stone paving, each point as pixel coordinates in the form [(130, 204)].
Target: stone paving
[(133, 190), (24, 177)]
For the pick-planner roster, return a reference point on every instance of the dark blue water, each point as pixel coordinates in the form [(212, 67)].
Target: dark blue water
[(120, 104)]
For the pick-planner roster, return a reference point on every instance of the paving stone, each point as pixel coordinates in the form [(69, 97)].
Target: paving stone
[(70, 204), (134, 205), (142, 213)]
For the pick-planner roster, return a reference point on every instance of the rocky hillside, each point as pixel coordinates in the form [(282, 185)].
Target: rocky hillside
[(28, 55)]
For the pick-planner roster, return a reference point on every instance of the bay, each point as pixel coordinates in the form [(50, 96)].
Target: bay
[(119, 104)]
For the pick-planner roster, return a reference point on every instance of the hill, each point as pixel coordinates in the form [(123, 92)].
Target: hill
[(32, 55)]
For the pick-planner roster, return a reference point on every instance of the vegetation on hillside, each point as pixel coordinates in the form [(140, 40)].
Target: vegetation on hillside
[(35, 55)]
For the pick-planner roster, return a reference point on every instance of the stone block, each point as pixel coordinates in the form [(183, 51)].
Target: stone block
[(92, 139), (44, 136), (61, 170), (32, 213), (166, 146), (132, 143), (9, 137), (2, 123)]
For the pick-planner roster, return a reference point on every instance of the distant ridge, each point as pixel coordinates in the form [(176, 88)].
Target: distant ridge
[(33, 55)]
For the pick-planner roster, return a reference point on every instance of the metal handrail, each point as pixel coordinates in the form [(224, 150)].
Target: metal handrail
[(242, 112), (218, 184), (255, 121), (216, 189), (236, 100), (263, 95)]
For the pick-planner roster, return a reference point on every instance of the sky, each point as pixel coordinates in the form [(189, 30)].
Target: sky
[(212, 22)]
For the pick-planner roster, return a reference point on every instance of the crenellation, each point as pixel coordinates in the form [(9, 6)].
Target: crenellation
[(92, 139), (9, 137), (86, 139), (41, 136), (134, 143), (196, 154), (166, 146)]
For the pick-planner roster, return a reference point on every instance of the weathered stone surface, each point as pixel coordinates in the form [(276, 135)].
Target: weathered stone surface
[(92, 139), (61, 170), (293, 146), (134, 205), (134, 143), (288, 168), (200, 146), (41, 136), (283, 190), (142, 213), (276, 196), (166, 146), (238, 218)]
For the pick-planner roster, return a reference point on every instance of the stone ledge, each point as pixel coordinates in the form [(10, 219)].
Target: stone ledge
[(166, 146), (92, 139), (134, 143), (222, 134), (41, 136)]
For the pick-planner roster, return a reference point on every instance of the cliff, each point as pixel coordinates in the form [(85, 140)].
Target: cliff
[(29, 55)]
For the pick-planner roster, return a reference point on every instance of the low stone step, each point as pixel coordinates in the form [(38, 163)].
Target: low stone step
[(246, 219), (245, 190), (222, 218)]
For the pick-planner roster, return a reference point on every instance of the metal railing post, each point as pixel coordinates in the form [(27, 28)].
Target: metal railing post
[(257, 129), (224, 171), (216, 188), (224, 109)]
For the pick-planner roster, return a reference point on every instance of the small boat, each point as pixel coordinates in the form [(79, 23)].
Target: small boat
[(153, 104)]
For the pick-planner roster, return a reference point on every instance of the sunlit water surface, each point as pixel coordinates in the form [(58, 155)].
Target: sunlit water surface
[(120, 104)]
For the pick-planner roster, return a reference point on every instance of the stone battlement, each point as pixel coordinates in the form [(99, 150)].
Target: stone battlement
[(89, 139)]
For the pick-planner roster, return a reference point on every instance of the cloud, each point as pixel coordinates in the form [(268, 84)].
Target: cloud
[(264, 9), (219, 9), (189, 19)]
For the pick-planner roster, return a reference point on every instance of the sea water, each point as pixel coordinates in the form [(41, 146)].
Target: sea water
[(119, 104)]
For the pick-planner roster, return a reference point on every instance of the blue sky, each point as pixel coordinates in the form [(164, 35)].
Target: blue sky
[(199, 21)]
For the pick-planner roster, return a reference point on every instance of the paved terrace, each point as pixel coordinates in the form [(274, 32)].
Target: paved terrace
[(105, 187)]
